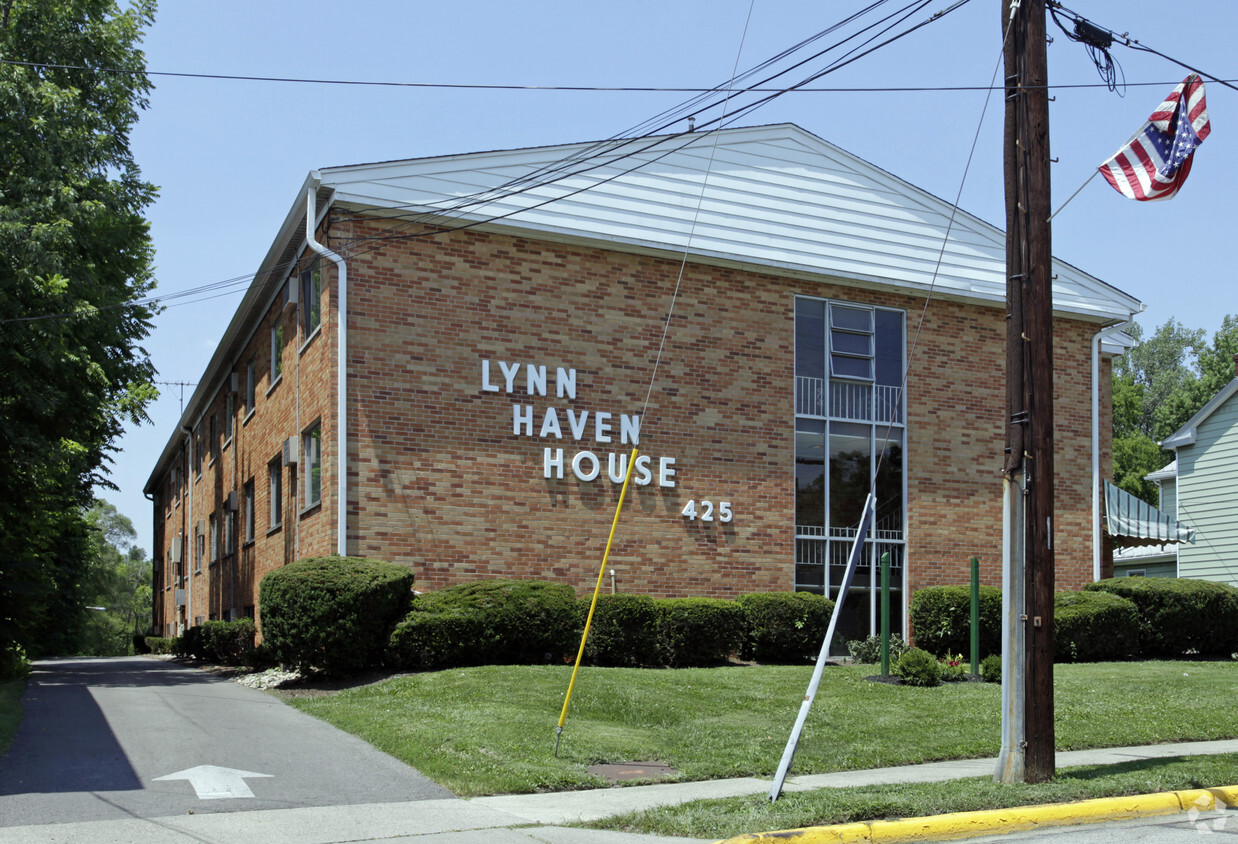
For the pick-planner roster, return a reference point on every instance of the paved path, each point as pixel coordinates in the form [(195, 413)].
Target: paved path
[(101, 736)]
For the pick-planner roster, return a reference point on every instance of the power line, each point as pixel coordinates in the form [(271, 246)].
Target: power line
[(598, 89)]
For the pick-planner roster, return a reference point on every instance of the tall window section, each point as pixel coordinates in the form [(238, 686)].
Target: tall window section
[(275, 493), (311, 450), (311, 300), (849, 437)]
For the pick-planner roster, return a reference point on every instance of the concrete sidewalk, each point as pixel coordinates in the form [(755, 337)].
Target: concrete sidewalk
[(523, 818)]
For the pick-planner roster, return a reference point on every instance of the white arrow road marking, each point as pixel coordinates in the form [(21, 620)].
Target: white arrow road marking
[(215, 783)]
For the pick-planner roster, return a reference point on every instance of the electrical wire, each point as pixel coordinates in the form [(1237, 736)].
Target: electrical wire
[(524, 184), (483, 197)]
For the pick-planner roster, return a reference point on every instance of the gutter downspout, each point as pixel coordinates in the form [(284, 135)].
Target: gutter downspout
[(185, 566), (1097, 528), (341, 365)]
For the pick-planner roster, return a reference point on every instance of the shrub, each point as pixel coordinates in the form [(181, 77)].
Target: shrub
[(228, 642), (698, 631), (13, 662), (624, 630), (188, 644), (1093, 627), (784, 626), (139, 644), (333, 614), (1178, 616), (918, 667), (428, 641), (941, 619), (953, 668), (991, 668), (864, 651), (159, 645), (487, 622)]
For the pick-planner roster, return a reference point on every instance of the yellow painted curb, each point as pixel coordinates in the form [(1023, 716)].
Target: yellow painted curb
[(968, 824)]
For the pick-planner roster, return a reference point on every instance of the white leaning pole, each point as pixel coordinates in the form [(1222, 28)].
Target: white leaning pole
[(857, 548)]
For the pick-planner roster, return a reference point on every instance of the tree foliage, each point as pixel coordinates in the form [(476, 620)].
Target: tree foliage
[(1157, 387), (75, 254)]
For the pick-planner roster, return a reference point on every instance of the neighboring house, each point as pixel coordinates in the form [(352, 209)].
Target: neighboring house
[(464, 398), (1204, 490), (1156, 559)]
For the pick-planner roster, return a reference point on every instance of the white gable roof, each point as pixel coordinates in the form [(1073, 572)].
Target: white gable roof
[(776, 197)]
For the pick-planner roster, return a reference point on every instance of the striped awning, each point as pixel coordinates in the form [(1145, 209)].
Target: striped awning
[(1132, 521)]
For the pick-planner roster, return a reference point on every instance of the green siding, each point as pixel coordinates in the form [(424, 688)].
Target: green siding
[(1169, 498), (1148, 569), (1208, 497)]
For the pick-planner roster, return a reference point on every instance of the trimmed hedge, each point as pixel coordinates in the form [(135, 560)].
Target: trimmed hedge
[(624, 630), (228, 642), (1093, 627), (1179, 616), (784, 626), (158, 645), (489, 622), (698, 631), (941, 620), (332, 614)]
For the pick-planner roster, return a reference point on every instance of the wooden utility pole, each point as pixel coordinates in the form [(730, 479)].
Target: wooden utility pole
[(1027, 740)]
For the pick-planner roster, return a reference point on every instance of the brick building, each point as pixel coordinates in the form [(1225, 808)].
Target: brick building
[(499, 352)]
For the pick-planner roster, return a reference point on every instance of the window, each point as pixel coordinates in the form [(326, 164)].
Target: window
[(229, 531), (251, 385), (849, 439), (851, 342), (277, 352), (229, 418), (311, 300), (275, 493), (199, 542), (249, 512), (213, 427), (214, 538), (197, 453), (311, 453)]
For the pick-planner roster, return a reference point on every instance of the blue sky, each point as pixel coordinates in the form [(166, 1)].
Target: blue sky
[(229, 156)]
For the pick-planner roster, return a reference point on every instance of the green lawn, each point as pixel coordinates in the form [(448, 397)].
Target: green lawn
[(490, 729), (10, 711), (727, 818)]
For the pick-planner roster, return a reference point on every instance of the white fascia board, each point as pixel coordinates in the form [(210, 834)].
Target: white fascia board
[(253, 306), (1187, 433)]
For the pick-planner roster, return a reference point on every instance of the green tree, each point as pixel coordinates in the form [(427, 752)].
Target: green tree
[(75, 255), (1157, 387), (116, 585)]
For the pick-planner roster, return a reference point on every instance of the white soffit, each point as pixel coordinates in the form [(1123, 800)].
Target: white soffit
[(776, 196)]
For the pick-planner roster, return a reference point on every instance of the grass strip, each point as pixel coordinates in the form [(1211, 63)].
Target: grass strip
[(734, 816), (490, 729), (10, 711)]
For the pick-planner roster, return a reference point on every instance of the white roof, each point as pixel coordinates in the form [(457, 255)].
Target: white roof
[(775, 197)]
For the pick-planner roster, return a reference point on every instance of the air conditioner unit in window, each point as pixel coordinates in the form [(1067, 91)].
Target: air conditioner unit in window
[(178, 543), (201, 527), (292, 293), (230, 501), (234, 383), (291, 451)]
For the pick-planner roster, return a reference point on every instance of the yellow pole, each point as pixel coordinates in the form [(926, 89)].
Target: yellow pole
[(580, 654)]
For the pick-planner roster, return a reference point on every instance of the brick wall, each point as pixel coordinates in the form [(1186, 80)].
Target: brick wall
[(441, 477)]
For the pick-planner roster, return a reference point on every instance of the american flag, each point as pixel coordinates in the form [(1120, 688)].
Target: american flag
[(1155, 162)]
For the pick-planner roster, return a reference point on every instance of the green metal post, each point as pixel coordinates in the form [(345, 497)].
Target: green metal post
[(975, 615), (885, 614)]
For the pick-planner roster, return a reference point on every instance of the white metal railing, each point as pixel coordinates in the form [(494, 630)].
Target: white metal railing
[(850, 400)]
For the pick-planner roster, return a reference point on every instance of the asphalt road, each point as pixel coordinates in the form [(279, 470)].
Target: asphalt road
[(1216, 827), (106, 739)]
